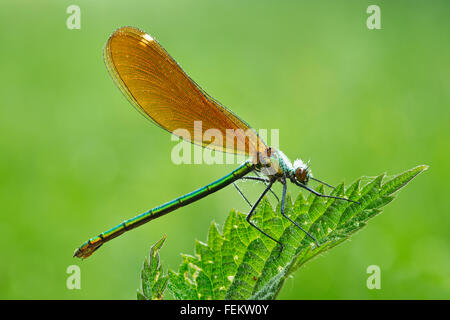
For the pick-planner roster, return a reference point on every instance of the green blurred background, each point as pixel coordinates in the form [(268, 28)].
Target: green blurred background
[(76, 158)]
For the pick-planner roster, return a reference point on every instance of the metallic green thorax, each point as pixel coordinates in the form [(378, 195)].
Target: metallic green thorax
[(278, 165), (91, 245)]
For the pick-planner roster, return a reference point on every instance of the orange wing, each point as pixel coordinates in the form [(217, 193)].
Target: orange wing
[(159, 89)]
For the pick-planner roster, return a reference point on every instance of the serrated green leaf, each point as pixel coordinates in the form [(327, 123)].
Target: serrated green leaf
[(241, 263), (402, 179), (153, 281)]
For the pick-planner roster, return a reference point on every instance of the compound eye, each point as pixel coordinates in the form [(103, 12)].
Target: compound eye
[(301, 174)]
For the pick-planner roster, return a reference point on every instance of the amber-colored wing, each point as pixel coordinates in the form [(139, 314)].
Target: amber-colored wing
[(157, 87)]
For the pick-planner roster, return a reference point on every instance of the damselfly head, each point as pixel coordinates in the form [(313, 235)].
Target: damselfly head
[(301, 171)]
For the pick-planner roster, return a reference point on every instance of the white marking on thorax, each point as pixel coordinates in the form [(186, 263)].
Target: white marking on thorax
[(284, 160)]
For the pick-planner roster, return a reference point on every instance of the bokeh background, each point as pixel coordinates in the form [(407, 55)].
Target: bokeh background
[(76, 158)]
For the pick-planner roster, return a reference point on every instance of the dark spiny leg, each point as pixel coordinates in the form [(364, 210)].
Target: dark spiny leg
[(271, 191), (323, 195), (242, 194), (283, 198), (256, 179), (265, 181), (249, 215), (324, 183), (275, 195)]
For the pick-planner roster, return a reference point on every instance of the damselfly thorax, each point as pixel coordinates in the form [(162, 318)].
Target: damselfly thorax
[(276, 166)]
